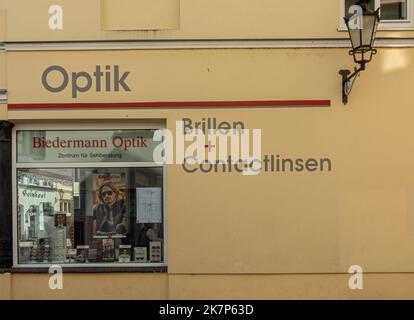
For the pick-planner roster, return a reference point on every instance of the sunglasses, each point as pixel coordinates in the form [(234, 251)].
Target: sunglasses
[(107, 193)]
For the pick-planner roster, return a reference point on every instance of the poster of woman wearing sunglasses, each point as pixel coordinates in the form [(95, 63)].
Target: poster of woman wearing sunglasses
[(109, 213)]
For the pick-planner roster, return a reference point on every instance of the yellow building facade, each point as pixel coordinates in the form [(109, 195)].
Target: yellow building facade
[(284, 233)]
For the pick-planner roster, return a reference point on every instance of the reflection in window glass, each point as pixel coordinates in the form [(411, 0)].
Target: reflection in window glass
[(90, 215), (349, 3), (394, 10), (390, 9)]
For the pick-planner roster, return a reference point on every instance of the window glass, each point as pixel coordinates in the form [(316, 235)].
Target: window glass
[(390, 9), (349, 3), (394, 10), (116, 217), (101, 213)]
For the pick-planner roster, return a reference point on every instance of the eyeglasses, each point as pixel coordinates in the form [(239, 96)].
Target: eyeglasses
[(107, 193)]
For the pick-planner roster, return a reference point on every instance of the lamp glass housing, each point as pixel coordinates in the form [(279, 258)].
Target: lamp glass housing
[(362, 35)]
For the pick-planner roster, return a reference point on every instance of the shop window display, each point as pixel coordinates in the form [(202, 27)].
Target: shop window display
[(101, 214)]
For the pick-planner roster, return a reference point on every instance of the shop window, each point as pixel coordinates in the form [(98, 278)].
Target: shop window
[(395, 14), (117, 219)]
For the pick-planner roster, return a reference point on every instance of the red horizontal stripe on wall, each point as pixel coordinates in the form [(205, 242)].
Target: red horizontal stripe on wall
[(182, 104)]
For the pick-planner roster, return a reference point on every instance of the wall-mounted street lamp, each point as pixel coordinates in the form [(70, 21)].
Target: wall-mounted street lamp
[(61, 194), (362, 27)]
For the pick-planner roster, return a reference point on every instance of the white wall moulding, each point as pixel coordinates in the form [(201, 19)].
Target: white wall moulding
[(127, 15), (201, 44), (103, 20)]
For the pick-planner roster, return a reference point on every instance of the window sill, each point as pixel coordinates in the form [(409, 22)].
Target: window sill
[(91, 269), (410, 28)]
